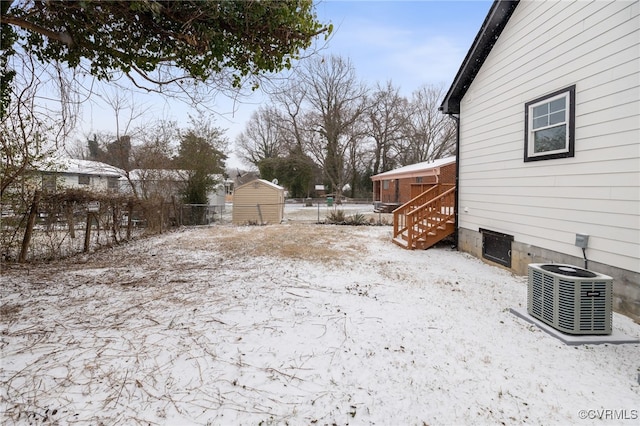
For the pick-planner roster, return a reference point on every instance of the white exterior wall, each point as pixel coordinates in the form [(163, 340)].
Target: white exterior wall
[(96, 182), (547, 46), (66, 172)]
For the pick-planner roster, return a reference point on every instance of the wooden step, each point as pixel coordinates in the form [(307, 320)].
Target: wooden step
[(401, 242)]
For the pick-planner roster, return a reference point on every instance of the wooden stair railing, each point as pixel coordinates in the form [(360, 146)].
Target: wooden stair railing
[(426, 219)]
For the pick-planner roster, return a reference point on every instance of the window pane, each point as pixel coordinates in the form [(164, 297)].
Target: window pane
[(550, 139), (557, 105), (541, 122), (112, 183), (540, 110), (556, 117)]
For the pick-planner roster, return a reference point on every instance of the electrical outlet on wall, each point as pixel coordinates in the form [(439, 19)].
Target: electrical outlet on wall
[(582, 240)]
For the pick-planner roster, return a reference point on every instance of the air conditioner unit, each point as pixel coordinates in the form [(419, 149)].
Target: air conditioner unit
[(570, 299)]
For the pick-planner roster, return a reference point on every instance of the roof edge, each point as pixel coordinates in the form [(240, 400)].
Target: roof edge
[(417, 169), (494, 23)]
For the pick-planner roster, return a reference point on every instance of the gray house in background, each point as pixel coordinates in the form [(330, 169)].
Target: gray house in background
[(548, 107)]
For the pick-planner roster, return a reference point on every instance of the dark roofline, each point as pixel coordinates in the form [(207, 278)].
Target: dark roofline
[(494, 23)]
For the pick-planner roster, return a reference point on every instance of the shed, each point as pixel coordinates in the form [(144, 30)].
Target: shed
[(258, 201)]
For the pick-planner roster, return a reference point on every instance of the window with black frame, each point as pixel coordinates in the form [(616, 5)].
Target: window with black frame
[(550, 126)]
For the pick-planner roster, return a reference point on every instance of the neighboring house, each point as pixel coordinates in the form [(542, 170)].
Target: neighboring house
[(229, 187), (243, 177), (258, 202), (170, 184), (548, 107), (398, 186), (156, 183), (83, 174)]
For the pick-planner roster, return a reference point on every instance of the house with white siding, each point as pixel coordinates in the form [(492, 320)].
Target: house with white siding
[(547, 102), (79, 174)]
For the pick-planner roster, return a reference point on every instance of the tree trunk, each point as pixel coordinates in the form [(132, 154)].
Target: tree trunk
[(29, 231)]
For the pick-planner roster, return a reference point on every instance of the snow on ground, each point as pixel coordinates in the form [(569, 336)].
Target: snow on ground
[(297, 324)]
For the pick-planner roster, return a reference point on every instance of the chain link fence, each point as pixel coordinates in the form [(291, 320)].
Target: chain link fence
[(47, 226)]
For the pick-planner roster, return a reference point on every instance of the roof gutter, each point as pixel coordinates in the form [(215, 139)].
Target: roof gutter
[(457, 178)]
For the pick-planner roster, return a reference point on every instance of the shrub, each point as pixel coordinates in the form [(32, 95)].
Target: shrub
[(357, 219)]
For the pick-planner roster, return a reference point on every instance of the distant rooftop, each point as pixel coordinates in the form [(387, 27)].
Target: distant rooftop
[(418, 169), (82, 167)]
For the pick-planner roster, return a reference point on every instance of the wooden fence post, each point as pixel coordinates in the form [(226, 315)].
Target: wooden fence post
[(69, 213), (115, 212), (87, 232), (31, 221), (161, 215), (129, 219), (260, 214)]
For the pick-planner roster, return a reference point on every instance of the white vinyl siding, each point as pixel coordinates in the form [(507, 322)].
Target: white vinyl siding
[(258, 202), (545, 47)]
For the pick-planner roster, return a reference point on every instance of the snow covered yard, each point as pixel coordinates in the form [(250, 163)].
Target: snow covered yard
[(295, 324)]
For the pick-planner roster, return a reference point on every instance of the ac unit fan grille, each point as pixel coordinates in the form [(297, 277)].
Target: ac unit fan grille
[(593, 307), (547, 304), (566, 299)]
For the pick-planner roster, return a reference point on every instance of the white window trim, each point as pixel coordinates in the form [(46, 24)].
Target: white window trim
[(564, 123)]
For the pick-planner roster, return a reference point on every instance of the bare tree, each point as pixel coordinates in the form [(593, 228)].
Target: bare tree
[(358, 155), (158, 141), (38, 117), (429, 134), (386, 117), (202, 125), (292, 120), (116, 147), (152, 160), (263, 136), (336, 101)]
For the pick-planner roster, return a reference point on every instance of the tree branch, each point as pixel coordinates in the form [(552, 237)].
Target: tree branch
[(62, 37)]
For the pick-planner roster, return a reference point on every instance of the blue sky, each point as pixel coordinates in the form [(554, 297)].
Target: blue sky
[(408, 42)]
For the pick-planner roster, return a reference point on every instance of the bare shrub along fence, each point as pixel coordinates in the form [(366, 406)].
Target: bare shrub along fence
[(55, 225)]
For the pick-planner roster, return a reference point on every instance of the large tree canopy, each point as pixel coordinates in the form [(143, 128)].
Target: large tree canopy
[(141, 38)]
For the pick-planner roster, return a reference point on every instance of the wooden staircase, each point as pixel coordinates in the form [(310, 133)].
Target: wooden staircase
[(426, 219)]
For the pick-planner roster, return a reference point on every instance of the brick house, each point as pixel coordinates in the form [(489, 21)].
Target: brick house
[(396, 187)]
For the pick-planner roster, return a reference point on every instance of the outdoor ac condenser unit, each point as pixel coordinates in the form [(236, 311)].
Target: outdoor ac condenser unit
[(570, 299)]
